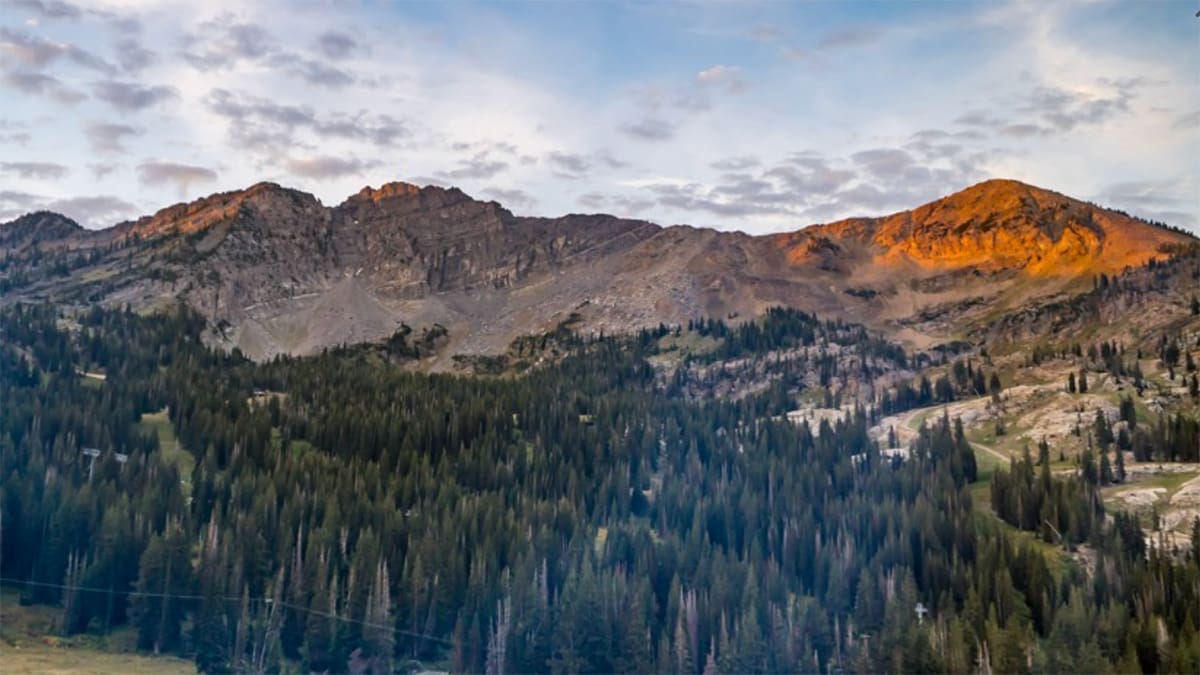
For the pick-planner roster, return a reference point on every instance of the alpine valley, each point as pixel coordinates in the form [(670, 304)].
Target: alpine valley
[(414, 431)]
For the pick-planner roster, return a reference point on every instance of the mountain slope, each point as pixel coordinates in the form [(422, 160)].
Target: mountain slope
[(278, 272), (42, 229), (1004, 224)]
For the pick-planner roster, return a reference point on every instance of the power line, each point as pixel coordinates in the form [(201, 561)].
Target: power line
[(230, 598)]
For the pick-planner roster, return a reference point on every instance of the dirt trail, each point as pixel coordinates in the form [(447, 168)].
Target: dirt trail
[(998, 455)]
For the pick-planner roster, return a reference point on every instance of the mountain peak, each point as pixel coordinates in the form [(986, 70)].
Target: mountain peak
[(998, 196), (389, 191), (218, 208), (1000, 225), (39, 227), (1006, 224)]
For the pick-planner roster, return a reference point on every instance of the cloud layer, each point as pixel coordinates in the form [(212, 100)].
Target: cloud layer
[(760, 117)]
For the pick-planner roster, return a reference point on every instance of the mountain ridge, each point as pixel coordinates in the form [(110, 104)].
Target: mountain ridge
[(280, 272)]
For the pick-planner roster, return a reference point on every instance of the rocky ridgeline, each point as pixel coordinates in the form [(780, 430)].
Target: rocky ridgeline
[(280, 272)]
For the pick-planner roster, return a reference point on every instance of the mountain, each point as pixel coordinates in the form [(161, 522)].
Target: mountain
[(43, 229), (276, 271)]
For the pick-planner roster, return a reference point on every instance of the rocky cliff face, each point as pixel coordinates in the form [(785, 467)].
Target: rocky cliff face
[(277, 271), (414, 241)]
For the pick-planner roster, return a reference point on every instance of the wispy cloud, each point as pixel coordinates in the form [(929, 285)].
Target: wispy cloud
[(181, 176), (39, 170)]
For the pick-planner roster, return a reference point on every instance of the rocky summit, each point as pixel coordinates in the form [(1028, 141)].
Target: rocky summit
[(275, 271)]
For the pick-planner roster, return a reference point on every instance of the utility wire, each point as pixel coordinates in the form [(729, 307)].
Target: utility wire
[(230, 598)]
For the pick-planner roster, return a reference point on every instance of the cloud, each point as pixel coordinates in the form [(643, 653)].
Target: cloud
[(814, 177), (314, 72), (224, 41), (1045, 110), (1065, 110), (511, 198), (868, 197), (1168, 200), (650, 129), (569, 165), (1189, 121), (242, 107), (35, 170), (48, 9), (328, 166), (927, 135), (726, 77), (885, 162), (94, 211), (133, 56), (35, 52), (264, 126), (593, 200), (933, 144), (1024, 130), (14, 203), (131, 96), (806, 186), (40, 84), (736, 163), (978, 118), (623, 204), (182, 176), (14, 132), (855, 36), (336, 44), (739, 199), (91, 211), (476, 168), (101, 169), (109, 136)]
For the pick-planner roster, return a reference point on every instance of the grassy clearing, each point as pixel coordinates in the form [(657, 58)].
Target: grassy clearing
[(99, 274), (43, 659), (28, 645), (986, 464), (915, 422), (159, 424), (674, 348), (295, 447)]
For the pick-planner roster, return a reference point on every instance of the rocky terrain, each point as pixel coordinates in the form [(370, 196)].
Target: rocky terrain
[(276, 271)]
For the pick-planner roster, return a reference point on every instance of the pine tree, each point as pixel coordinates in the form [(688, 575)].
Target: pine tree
[(1106, 473), (163, 574), (1103, 431), (378, 632)]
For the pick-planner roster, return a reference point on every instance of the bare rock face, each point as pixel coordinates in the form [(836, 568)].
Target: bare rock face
[(414, 241), (277, 271)]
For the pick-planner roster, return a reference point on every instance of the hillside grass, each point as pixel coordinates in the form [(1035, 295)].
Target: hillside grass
[(159, 424), (28, 645)]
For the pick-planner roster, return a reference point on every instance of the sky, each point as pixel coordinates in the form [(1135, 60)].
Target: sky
[(760, 117)]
